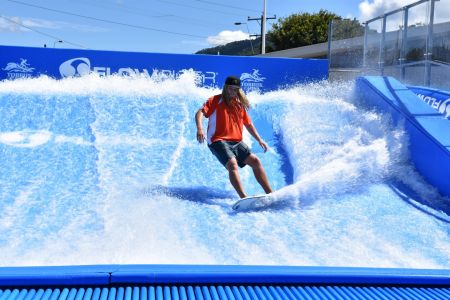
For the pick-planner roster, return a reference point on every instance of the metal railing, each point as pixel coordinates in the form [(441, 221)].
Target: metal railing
[(411, 43)]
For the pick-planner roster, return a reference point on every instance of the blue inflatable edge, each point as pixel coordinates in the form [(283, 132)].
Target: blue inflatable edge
[(113, 275), (429, 141), (427, 91)]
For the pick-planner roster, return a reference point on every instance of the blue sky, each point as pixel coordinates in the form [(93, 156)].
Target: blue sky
[(166, 26)]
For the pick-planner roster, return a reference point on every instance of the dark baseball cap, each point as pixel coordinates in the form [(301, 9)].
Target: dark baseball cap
[(233, 80)]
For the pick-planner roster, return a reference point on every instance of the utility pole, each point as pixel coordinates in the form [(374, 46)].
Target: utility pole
[(263, 30), (263, 20)]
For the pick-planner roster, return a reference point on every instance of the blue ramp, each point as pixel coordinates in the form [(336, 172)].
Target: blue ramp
[(428, 130)]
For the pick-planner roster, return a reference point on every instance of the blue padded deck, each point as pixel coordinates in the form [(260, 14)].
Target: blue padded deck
[(190, 282)]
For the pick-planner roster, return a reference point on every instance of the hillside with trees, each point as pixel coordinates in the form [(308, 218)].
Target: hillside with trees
[(241, 48), (296, 30)]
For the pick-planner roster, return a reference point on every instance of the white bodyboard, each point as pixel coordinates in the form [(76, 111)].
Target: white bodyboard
[(251, 203)]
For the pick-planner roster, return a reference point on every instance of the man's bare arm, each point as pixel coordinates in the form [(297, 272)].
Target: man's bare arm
[(198, 122)]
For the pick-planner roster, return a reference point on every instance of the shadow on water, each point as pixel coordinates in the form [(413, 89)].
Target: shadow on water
[(438, 208), (198, 194), (285, 166), (212, 196), (266, 129)]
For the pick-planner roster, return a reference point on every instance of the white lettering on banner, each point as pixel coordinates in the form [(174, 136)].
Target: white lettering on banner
[(18, 70), (252, 81), (102, 71), (81, 66), (17, 75), (126, 72), (443, 106)]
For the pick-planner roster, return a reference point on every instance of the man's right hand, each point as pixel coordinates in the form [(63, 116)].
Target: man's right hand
[(200, 136)]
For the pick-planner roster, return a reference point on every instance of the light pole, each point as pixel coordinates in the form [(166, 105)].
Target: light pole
[(263, 19), (54, 43), (263, 30), (248, 31)]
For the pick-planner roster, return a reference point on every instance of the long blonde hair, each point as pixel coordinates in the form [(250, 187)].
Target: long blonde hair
[(241, 95)]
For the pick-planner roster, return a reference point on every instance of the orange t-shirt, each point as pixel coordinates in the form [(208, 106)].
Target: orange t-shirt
[(225, 123)]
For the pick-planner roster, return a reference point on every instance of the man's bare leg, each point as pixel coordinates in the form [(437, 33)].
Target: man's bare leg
[(259, 172), (233, 172)]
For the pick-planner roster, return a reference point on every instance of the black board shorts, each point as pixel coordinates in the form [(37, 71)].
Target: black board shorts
[(224, 150)]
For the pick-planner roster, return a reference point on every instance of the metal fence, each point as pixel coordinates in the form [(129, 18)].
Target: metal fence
[(411, 43)]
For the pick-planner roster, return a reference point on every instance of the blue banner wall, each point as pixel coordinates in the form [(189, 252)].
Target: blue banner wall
[(255, 72)]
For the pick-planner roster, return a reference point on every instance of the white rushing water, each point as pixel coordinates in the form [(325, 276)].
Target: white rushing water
[(108, 171)]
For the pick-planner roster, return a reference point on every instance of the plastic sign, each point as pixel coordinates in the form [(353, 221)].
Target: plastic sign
[(256, 73), (437, 99)]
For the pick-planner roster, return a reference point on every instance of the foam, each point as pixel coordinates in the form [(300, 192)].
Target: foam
[(130, 184), (28, 139), (156, 86)]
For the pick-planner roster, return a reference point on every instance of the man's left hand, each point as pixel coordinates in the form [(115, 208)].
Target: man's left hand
[(264, 145)]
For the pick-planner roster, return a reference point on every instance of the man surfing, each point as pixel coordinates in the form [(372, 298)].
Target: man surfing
[(227, 114)]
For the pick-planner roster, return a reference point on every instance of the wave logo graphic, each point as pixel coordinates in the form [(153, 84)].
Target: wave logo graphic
[(252, 81), (22, 67), (254, 77), (444, 108), (75, 67)]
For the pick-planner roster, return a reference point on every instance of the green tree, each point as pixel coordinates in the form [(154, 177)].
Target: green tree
[(305, 29), (346, 29)]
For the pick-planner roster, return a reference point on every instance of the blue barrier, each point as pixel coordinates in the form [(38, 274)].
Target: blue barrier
[(428, 130), (107, 275), (437, 99), (255, 72)]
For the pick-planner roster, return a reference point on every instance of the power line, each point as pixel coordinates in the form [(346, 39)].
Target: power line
[(106, 21), (43, 33), (136, 11), (225, 5), (202, 8), (128, 9), (263, 20)]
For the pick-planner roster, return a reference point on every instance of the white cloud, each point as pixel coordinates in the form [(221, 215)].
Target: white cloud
[(15, 25), (373, 8), (369, 9), (227, 36), (40, 23)]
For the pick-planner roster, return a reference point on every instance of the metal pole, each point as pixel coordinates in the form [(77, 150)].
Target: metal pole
[(330, 28), (263, 30), (366, 33), (250, 38), (404, 42), (383, 46), (249, 35), (429, 46)]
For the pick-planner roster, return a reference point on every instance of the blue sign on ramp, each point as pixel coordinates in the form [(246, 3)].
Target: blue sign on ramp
[(256, 73)]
